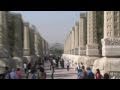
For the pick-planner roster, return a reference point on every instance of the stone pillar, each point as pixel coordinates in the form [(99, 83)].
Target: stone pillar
[(40, 44), (92, 40), (82, 34), (73, 40), (110, 42), (36, 43), (3, 35), (76, 37), (70, 43), (32, 39), (64, 47), (67, 44), (15, 26), (18, 28), (4, 46), (43, 46), (110, 62), (27, 41), (94, 35)]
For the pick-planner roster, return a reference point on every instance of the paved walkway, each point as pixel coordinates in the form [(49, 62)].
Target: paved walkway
[(60, 73)]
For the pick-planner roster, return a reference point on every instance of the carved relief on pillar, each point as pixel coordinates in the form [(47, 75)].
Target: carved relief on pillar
[(92, 46), (112, 41), (82, 48)]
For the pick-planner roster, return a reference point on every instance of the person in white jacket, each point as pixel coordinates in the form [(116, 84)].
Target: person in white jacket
[(13, 74)]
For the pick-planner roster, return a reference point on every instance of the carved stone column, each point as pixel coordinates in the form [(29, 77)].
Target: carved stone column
[(73, 40), (92, 38), (82, 34), (76, 37), (110, 62), (27, 41), (4, 45), (111, 40)]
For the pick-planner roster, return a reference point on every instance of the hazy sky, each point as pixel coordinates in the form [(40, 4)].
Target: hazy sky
[(52, 25)]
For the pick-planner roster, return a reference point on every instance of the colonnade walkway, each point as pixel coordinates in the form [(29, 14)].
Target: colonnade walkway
[(60, 73)]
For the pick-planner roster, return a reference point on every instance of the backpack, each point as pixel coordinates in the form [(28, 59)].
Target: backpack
[(34, 76), (80, 75), (7, 76), (90, 75)]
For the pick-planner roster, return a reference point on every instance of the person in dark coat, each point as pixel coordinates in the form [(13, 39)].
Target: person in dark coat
[(106, 76)]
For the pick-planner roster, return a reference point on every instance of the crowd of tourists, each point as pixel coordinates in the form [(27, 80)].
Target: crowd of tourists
[(28, 71), (37, 71), (86, 73), (55, 63)]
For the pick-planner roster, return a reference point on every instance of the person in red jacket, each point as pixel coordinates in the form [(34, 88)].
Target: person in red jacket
[(19, 73), (98, 74)]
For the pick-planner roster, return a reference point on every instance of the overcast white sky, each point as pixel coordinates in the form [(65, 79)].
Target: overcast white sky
[(52, 25)]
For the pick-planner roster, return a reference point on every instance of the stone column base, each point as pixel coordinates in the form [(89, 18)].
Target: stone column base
[(92, 50), (3, 64), (73, 51), (107, 65), (26, 52), (87, 61), (18, 62), (82, 52), (76, 51), (72, 58), (27, 59), (111, 47)]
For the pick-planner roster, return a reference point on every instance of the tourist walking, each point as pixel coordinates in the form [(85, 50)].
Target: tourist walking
[(98, 74), (32, 75), (51, 63), (19, 73), (78, 67), (28, 74), (52, 72), (68, 66), (29, 67), (84, 71), (13, 74), (54, 62), (80, 74), (106, 76), (25, 67), (43, 74), (38, 74), (90, 74), (62, 63), (7, 73)]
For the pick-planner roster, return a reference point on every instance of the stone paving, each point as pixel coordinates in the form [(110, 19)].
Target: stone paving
[(60, 73)]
